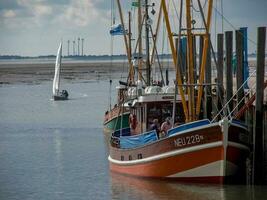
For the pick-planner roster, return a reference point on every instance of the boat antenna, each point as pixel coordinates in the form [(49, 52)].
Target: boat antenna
[(110, 84), (148, 66)]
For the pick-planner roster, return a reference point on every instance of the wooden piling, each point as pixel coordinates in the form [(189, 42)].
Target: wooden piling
[(220, 88), (178, 46), (258, 154), (208, 98), (201, 43), (229, 73), (194, 58), (239, 68)]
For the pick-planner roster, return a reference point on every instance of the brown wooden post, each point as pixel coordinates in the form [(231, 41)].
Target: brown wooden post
[(258, 159), (201, 42), (229, 74), (239, 68), (220, 88), (208, 99), (194, 57)]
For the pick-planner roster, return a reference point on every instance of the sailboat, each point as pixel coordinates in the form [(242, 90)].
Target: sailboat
[(193, 148), (57, 94)]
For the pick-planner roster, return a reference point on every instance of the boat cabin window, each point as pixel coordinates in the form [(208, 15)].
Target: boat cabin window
[(121, 94), (162, 110)]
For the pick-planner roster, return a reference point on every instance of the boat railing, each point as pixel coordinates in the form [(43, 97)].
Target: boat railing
[(230, 114), (187, 126), (122, 132)]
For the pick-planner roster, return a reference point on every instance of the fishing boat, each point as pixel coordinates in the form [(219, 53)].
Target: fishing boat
[(193, 148), (57, 94), (117, 117)]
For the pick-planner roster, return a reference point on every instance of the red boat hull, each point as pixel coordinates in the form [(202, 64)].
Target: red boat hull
[(211, 160)]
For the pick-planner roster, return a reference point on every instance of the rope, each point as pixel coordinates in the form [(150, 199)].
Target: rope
[(226, 105), (235, 28)]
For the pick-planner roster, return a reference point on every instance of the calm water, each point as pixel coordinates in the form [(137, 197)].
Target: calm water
[(56, 150)]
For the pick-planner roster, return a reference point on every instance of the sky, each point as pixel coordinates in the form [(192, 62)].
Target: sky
[(36, 27)]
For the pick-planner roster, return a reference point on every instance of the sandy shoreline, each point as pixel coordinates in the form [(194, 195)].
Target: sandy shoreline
[(35, 73)]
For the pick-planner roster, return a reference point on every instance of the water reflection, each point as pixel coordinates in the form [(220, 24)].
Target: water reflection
[(124, 187), (58, 161)]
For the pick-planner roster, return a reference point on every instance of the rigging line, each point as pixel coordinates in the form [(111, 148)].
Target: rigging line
[(179, 60), (139, 35), (215, 25), (222, 15), (195, 9), (160, 67), (176, 11), (246, 81), (241, 101), (227, 21), (111, 51), (167, 47)]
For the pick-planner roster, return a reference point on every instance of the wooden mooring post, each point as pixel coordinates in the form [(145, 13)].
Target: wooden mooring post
[(258, 151), (239, 68), (208, 98), (220, 69), (229, 74)]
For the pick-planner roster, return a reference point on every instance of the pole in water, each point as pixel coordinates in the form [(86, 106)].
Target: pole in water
[(239, 68), (220, 88), (244, 31), (229, 73), (258, 154)]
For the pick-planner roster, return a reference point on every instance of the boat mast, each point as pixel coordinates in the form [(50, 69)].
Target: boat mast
[(204, 53), (126, 45), (174, 57), (130, 39), (191, 93), (156, 34), (148, 66), (140, 54)]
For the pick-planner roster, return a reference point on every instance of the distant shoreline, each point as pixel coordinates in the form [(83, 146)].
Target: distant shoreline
[(21, 72), (86, 57)]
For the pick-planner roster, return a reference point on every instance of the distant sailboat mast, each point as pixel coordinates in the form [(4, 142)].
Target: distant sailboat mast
[(56, 80)]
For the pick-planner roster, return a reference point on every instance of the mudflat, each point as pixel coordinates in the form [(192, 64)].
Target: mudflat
[(35, 73)]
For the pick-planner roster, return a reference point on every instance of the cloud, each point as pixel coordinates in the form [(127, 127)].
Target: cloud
[(9, 4), (41, 13), (80, 13), (9, 14)]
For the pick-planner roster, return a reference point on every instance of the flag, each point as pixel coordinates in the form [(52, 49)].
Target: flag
[(117, 30)]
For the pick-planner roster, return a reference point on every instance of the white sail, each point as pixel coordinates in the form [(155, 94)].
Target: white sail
[(57, 71)]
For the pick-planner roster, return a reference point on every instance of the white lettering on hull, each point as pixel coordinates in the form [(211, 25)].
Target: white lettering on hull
[(188, 140)]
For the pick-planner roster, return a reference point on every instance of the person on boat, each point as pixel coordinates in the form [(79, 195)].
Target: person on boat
[(65, 93), (155, 126), (166, 125), (133, 123)]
